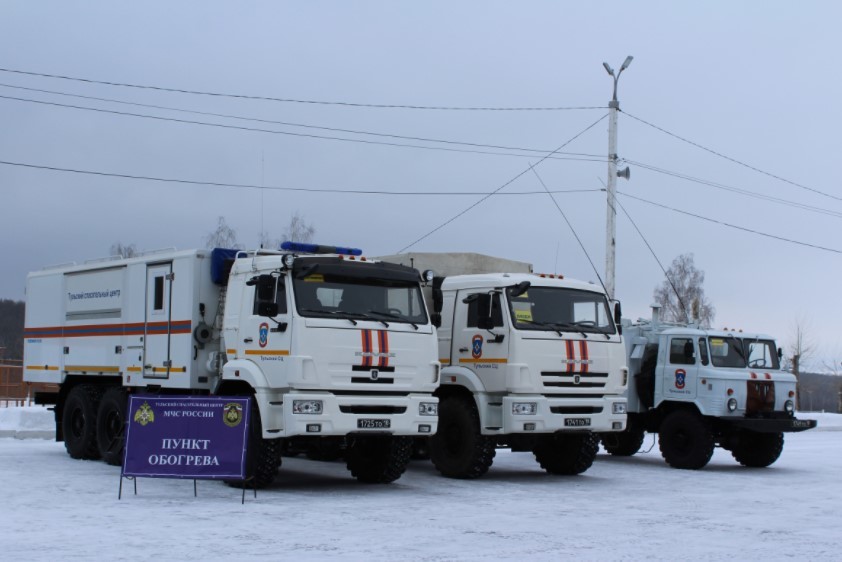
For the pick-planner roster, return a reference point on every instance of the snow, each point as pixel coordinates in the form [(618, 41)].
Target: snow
[(621, 509)]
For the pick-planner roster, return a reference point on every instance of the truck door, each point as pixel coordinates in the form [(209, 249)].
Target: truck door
[(158, 322), (265, 331), (682, 369), (481, 337)]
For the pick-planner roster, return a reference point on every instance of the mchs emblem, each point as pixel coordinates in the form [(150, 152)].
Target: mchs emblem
[(232, 414), (144, 414)]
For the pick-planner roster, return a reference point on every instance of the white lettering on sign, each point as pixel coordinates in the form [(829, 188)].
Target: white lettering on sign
[(183, 460), (185, 443)]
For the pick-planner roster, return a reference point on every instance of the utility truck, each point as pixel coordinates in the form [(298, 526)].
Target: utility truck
[(700, 388), (329, 346), (529, 362)]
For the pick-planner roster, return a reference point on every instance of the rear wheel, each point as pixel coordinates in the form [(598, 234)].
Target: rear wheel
[(78, 422), (377, 459), (685, 440), (567, 454), (458, 449), (110, 425), (623, 443), (758, 450)]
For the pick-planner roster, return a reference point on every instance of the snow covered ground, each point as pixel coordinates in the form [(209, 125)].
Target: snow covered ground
[(621, 509)]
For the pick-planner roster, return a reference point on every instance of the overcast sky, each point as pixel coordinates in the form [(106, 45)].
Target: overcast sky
[(756, 82)]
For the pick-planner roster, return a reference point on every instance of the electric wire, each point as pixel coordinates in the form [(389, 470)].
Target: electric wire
[(293, 100), (506, 184), (290, 124), (734, 160), (654, 255), (280, 188), (290, 133), (741, 191), (744, 229), (570, 226)]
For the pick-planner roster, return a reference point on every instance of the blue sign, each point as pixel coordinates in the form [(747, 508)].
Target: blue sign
[(187, 437)]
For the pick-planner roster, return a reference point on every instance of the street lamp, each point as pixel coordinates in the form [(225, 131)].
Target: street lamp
[(611, 188)]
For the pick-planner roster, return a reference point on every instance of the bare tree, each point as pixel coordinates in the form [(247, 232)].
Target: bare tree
[(801, 348), (684, 279), (299, 230), (125, 250), (222, 237)]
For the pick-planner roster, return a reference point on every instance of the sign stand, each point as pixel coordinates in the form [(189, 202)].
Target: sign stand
[(187, 437)]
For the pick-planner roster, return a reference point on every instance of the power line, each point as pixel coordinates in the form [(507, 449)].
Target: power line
[(280, 188), (290, 124), (506, 184), (741, 191), (744, 229), (288, 133), (734, 160), (292, 100)]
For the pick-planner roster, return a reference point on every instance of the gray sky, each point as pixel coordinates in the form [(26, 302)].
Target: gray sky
[(755, 81)]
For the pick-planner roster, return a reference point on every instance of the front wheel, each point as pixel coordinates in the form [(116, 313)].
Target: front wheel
[(685, 440), (377, 459), (264, 455), (757, 450), (566, 454), (78, 422), (458, 449)]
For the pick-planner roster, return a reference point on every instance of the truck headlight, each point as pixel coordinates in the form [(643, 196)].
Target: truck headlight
[(428, 409), (789, 407), (618, 407), (524, 408), (732, 404), (307, 407)]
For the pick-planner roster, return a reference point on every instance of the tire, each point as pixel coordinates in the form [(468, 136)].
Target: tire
[(685, 440), (623, 443), (458, 449), (377, 459), (110, 425), (757, 450), (78, 422), (264, 455), (566, 454)]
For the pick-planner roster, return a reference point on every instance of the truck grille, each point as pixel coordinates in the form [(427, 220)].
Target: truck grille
[(760, 397), (362, 409), (563, 379), (576, 409)]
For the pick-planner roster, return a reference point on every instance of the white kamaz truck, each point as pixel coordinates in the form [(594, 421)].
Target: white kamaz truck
[(699, 388), (533, 363), (328, 346)]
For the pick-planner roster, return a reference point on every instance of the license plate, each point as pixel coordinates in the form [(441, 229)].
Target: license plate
[(577, 422), (366, 423)]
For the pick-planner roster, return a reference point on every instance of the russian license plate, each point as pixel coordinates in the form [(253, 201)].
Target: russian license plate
[(577, 422), (367, 423)]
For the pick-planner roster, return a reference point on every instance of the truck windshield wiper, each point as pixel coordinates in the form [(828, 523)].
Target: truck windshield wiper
[(556, 327), (738, 347), (350, 316), (395, 316)]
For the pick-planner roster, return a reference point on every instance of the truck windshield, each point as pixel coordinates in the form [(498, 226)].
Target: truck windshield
[(323, 295), (558, 309), (740, 353)]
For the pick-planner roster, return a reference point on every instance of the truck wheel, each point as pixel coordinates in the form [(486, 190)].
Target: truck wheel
[(623, 443), (377, 459), (264, 455), (78, 422), (110, 423), (685, 440), (458, 449), (566, 454), (758, 450)]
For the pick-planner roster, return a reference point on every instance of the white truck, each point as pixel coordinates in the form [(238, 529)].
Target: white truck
[(699, 388), (329, 346), (529, 362)]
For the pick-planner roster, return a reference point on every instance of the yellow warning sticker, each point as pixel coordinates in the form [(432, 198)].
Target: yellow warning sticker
[(315, 278), (523, 311)]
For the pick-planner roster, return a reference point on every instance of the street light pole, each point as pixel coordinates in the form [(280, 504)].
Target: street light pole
[(611, 188)]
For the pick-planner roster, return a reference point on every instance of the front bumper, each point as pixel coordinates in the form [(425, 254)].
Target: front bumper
[(564, 414), (773, 425), (340, 416)]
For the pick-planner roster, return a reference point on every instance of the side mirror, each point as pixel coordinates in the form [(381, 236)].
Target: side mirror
[(268, 309), (265, 287), (519, 289), (780, 354), (618, 317), (435, 319)]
